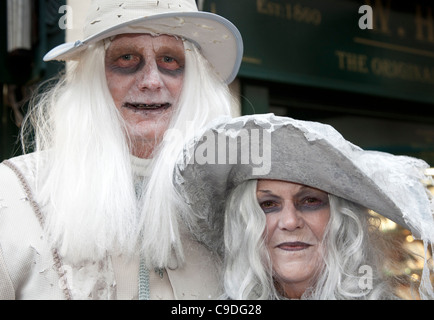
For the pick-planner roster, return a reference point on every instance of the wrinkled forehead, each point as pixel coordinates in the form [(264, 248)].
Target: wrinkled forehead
[(144, 39)]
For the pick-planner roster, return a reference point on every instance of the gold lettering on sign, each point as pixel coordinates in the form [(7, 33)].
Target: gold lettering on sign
[(385, 68), (423, 21), (352, 62), (293, 12), (381, 15), (424, 25), (270, 8)]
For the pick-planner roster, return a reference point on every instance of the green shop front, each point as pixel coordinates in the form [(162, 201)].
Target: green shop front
[(310, 59)]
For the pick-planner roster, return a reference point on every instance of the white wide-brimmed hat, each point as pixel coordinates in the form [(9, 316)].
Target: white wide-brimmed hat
[(231, 151), (218, 39)]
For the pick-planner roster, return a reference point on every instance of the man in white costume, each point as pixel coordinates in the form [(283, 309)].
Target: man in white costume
[(91, 212)]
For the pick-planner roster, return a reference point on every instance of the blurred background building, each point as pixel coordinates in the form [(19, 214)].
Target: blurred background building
[(307, 59)]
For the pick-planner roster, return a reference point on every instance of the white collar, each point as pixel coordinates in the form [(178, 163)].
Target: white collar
[(140, 166)]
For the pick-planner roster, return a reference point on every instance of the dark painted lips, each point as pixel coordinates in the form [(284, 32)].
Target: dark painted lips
[(294, 246), (143, 106)]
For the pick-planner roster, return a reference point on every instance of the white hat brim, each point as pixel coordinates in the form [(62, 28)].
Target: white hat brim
[(218, 39)]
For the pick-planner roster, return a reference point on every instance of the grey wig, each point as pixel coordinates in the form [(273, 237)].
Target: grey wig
[(352, 243)]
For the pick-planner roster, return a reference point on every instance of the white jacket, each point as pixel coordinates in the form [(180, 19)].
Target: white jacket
[(30, 269)]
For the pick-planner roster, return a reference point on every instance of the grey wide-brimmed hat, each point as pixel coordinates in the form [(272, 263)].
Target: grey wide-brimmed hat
[(218, 39), (231, 151)]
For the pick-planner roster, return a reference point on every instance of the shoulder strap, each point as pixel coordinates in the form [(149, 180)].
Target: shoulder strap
[(37, 210)]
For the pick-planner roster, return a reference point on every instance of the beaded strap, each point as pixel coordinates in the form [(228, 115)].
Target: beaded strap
[(58, 265), (144, 288)]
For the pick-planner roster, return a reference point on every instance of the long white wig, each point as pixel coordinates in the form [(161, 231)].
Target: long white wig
[(351, 244), (204, 97), (85, 183)]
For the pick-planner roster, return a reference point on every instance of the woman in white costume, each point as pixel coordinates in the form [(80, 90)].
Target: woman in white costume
[(287, 203), (90, 213)]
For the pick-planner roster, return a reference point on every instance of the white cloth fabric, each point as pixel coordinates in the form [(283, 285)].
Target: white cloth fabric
[(31, 270)]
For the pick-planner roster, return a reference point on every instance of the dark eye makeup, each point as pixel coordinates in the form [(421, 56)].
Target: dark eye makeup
[(124, 61), (304, 201), (312, 202)]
